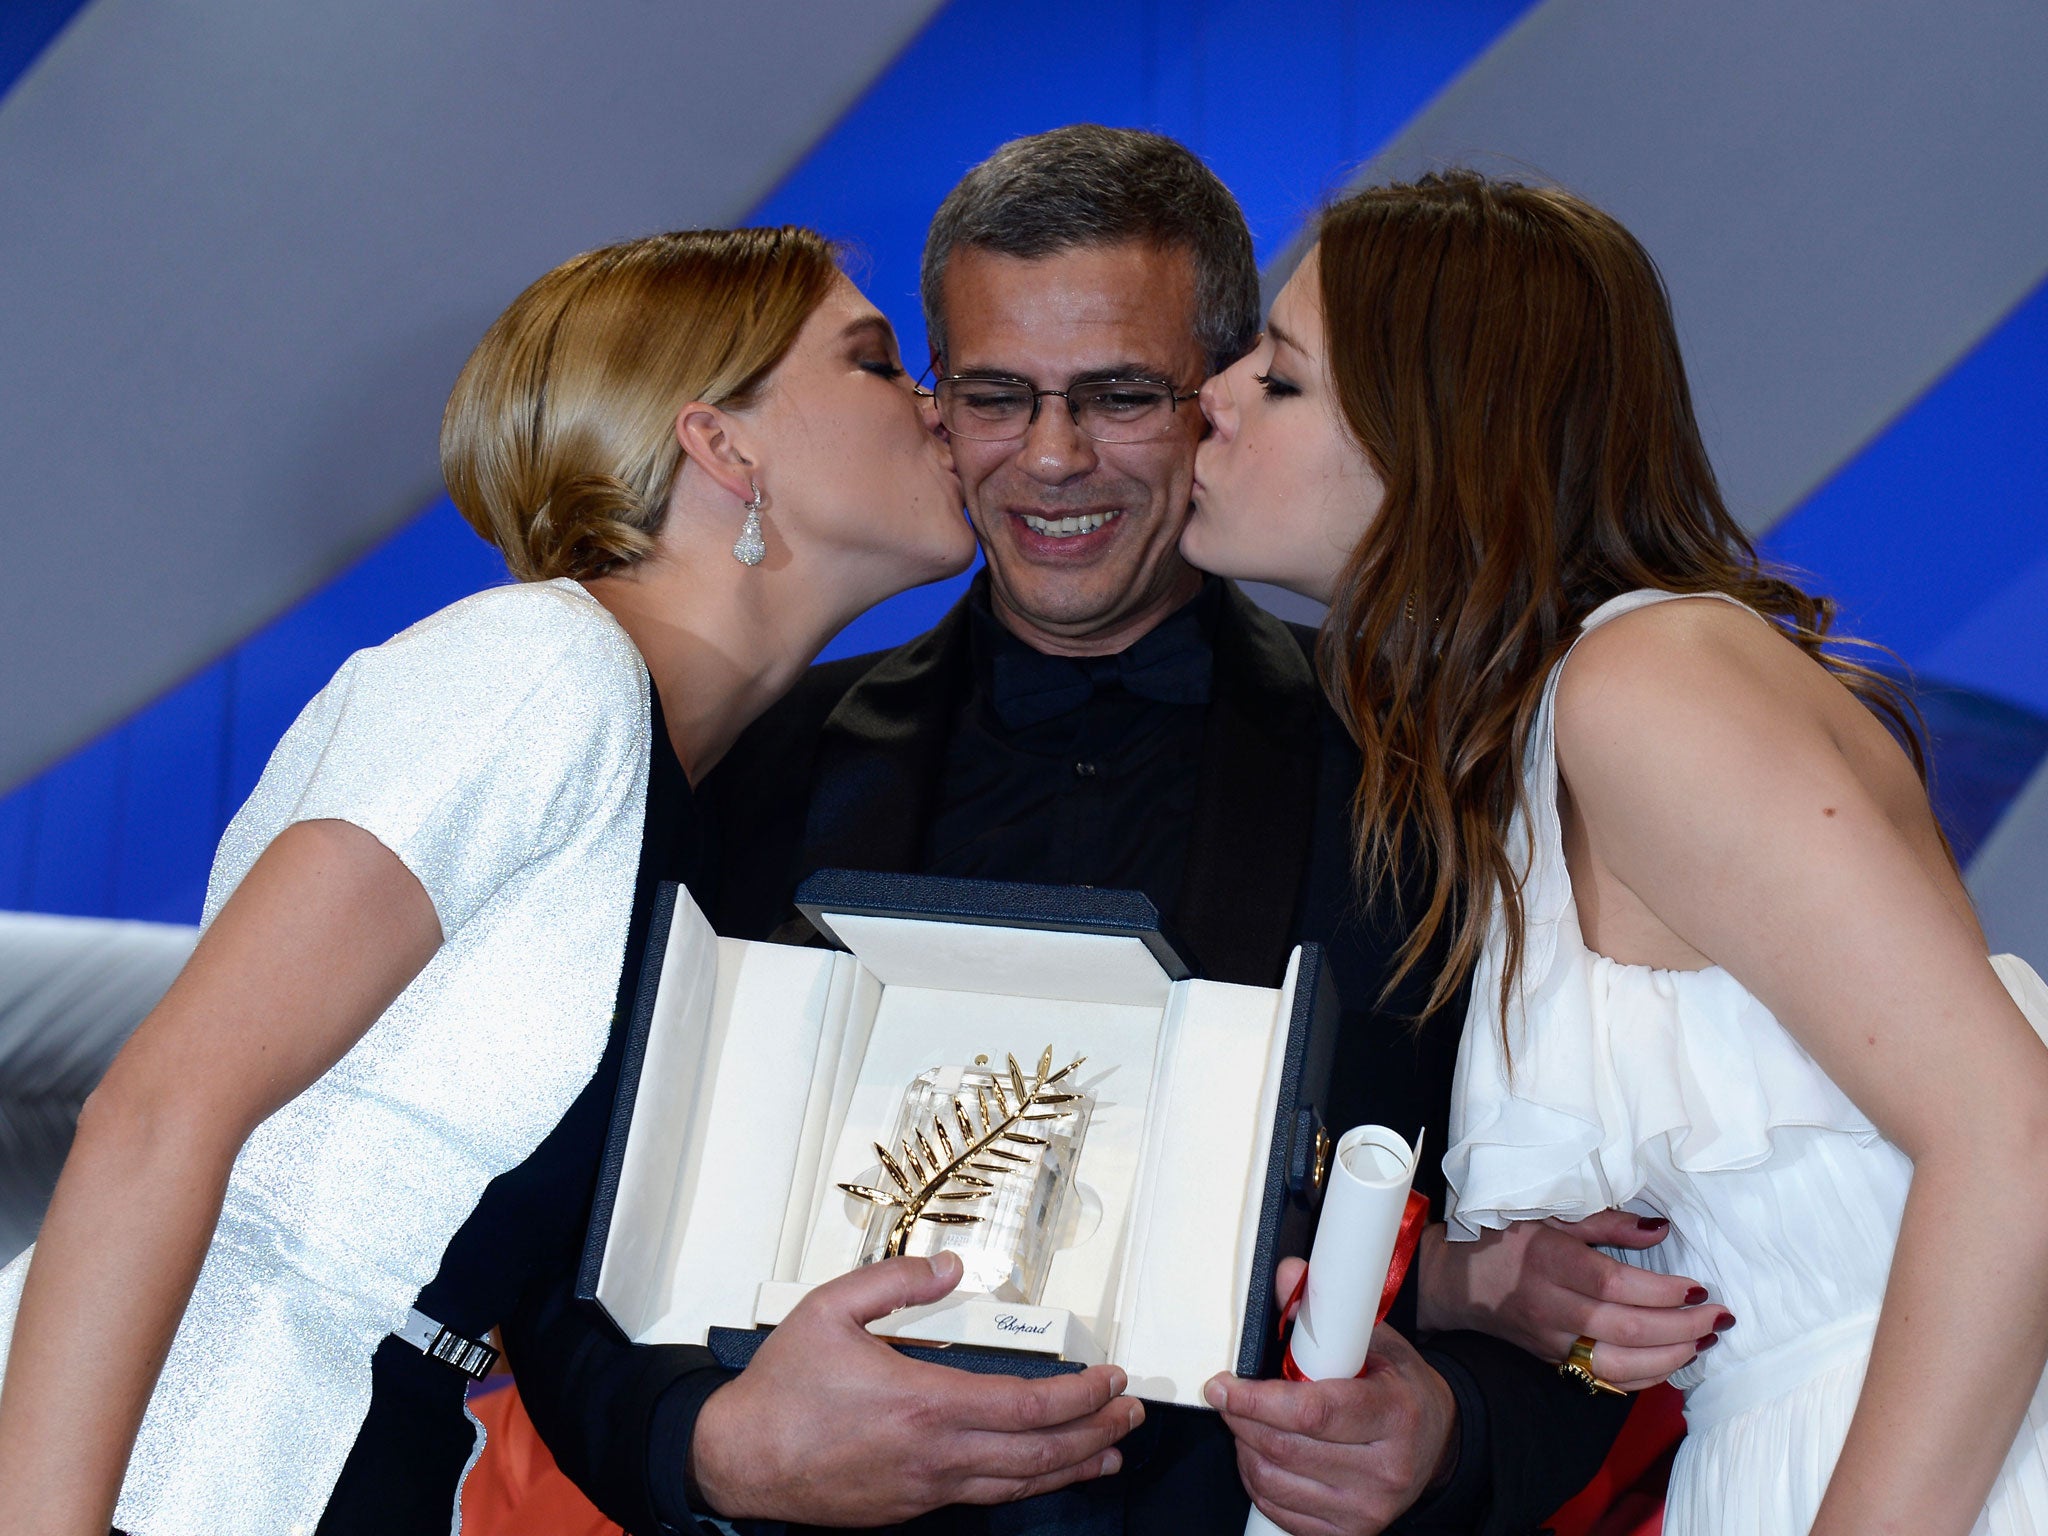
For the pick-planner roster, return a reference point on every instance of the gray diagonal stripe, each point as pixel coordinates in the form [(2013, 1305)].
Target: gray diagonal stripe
[(1844, 196), (245, 246), (2009, 877), (72, 989)]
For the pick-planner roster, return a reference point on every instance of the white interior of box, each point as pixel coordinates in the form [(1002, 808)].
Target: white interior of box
[(771, 1070)]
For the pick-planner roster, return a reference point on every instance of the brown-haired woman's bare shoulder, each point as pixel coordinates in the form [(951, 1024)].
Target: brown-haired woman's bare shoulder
[(1678, 687), (1643, 663)]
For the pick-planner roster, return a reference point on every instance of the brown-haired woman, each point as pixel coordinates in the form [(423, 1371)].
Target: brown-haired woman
[(1723, 967), (699, 454)]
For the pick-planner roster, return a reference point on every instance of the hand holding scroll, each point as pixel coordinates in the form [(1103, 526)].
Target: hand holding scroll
[(1345, 1448), (1347, 1457)]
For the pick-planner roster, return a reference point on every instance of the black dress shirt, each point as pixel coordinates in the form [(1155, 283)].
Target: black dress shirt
[(1076, 771)]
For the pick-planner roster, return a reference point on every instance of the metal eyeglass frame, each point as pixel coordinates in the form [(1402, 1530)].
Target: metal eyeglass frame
[(1174, 401)]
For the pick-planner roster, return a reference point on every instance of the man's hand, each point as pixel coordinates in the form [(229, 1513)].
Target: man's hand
[(1341, 1458), (830, 1426), (1540, 1285)]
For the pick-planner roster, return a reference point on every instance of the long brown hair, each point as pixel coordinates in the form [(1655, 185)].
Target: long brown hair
[(1506, 356), (559, 441)]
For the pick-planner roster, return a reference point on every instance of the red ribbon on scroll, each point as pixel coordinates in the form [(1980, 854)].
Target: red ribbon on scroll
[(1414, 1216)]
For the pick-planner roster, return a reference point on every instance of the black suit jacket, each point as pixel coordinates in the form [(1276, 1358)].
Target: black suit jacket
[(844, 772)]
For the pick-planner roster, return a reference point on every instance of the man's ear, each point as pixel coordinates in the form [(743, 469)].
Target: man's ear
[(928, 408), (928, 415), (710, 439)]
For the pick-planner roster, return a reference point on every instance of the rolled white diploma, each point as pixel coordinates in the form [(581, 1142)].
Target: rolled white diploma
[(1371, 1171)]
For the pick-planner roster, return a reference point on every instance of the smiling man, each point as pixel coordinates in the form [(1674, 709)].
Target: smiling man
[(1093, 712), (1078, 488)]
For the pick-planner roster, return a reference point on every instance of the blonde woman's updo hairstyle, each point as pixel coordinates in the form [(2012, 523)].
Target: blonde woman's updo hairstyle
[(1506, 357), (559, 441)]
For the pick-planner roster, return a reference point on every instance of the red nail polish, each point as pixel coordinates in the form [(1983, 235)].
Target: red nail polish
[(1651, 1223), (1696, 1295), (1724, 1322), (1704, 1343)]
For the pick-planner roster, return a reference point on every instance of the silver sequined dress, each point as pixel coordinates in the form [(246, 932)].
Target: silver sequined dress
[(500, 749)]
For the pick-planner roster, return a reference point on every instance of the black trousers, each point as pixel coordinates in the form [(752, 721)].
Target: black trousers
[(402, 1473)]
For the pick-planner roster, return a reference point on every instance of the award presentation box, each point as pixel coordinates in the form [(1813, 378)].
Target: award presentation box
[(757, 1078)]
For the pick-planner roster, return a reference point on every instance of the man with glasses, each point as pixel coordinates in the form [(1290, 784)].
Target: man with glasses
[(1094, 712), (1108, 410)]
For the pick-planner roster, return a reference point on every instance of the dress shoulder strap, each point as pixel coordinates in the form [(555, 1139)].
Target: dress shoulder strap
[(1540, 768), (1649, 597), (1536, 838)]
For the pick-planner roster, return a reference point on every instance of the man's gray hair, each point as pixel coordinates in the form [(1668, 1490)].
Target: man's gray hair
[(1088, 186)]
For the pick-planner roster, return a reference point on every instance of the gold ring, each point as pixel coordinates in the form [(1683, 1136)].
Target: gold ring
[(1578, 1368)]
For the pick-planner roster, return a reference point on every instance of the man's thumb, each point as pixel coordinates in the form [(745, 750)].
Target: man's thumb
[(876, 1290)]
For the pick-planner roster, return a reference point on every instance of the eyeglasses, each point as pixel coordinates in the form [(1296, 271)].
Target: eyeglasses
[(1108, 410)]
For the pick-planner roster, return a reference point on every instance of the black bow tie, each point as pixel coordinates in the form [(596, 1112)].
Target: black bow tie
[(1028, 687)]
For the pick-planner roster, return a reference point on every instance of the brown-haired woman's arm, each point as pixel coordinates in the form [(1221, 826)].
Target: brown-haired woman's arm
[(324, 932), (1540, 1285), (1729, 793)]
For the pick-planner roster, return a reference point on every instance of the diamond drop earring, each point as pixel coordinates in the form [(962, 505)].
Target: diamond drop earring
[(749, 547)]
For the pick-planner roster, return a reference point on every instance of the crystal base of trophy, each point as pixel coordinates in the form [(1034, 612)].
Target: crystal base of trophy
[(981, 1164)]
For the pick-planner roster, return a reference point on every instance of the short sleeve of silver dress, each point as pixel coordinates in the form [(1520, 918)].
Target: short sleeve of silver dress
[(500, 749)]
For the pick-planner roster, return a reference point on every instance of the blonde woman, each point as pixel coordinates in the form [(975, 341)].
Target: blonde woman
[(700, 455), (1723, 967)]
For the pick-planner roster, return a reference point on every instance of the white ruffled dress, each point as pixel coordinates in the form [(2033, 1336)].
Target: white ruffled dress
[(1676, 1092)]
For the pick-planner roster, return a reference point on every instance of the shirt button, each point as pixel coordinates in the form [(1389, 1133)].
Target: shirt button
[(1084, 770)]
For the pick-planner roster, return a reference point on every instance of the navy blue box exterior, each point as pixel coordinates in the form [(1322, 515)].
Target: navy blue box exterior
[(1287, 1221), (1288, 1202), (734, 1348), (993, 903), (631, 1059)]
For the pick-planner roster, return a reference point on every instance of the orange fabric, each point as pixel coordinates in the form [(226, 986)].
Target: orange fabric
[(515, 1488), (1626, 1496)]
